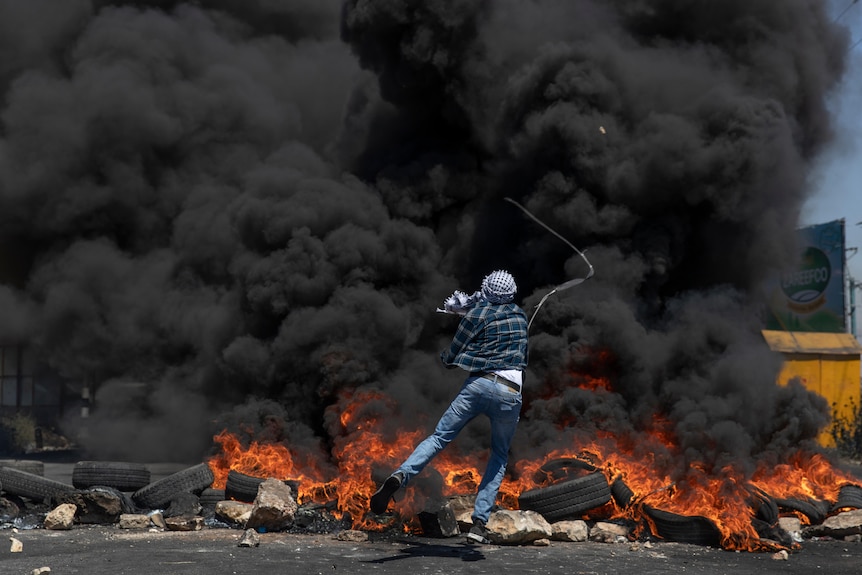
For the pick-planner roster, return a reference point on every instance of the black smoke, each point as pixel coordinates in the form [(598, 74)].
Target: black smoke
[(229, 213)]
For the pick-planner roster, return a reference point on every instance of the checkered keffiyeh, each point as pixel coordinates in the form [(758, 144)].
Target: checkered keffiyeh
[(499, 287)]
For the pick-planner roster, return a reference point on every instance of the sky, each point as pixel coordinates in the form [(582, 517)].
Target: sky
[(837, 176)]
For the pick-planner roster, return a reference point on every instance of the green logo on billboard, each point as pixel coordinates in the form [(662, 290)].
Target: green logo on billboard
[(808, 282)]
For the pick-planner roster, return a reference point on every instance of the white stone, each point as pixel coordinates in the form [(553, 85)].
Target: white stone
[(576, 530), (508, 527), (61, 517), (133, 521), (235, 512)]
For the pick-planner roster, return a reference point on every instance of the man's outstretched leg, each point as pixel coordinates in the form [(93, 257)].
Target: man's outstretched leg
[(466, 405), (380, 499)]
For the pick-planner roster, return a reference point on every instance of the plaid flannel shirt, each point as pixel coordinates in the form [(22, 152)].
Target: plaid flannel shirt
[(489, 337)]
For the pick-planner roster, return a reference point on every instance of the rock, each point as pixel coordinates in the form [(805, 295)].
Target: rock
[(352, 535), (249, 538), (508, 527), (96, 505), (61, 517), (157, 519), (185, 523), (542, 542), (781, 556), (133, 521), (40, 571), (274, 507), (8, 511), (790, 524), (841, 525), (576, 530), (235, 512), (183, 504), (793, 527), (604, 532), (438, 520), (17, 546), (462, 508)]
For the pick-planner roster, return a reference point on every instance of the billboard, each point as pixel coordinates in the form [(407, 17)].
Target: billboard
[(810, 296)]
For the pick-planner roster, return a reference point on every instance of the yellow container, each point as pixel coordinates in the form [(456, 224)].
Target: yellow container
[(827, 364)]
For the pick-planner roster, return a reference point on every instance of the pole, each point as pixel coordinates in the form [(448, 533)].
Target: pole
[(853, 285)]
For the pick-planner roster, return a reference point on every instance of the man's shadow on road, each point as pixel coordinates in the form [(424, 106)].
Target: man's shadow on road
[(464, 552)]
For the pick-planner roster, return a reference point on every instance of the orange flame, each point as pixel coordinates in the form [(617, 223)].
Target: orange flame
[(647, 464)]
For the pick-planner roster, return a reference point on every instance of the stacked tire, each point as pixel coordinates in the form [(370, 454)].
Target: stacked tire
[(120, 475), (571, 497), (158, 494), (31, 486)]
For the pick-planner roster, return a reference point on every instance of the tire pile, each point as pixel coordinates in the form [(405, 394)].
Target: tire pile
[(574, 488), (26, 479)]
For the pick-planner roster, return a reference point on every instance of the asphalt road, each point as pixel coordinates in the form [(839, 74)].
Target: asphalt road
[(105, 550), (109, 550)]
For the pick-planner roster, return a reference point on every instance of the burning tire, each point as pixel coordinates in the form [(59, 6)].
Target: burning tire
[(813, 509), (621, 493), (562, 468), (242, 487), (763, 506), (158, 494), (693, 529), (119, 475), (30, 485), (34, 467), (849, 496), (568, 498)]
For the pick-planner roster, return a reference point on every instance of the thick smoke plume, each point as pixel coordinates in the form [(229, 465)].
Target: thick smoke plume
[(235, 213)]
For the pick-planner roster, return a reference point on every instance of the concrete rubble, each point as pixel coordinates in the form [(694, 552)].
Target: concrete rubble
[(507, 527), (838, 526), (274, 507), (572, 531), (61, 517), (249, 538)]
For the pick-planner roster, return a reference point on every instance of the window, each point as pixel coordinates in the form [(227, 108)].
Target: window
[(16, 376)]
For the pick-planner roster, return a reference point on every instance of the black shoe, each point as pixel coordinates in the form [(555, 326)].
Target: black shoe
[(478, 533), (381, 497)]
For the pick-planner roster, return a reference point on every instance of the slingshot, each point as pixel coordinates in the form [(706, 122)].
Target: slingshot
[(565, 285)]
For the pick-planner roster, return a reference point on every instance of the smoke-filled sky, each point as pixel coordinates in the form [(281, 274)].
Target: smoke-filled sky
[(238, 213), (836, 174)]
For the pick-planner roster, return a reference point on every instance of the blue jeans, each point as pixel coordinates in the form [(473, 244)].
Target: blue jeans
[(477, 396)]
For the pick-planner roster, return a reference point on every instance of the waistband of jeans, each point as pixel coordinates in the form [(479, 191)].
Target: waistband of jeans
[(496, 378)]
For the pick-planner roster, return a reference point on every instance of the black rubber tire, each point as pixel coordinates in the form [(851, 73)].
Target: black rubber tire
[(242, 487), (763, 506), (813, 509), (562, 469), (568, 498), (30, 485), (158, 494), (621, 493), (210, 497), (849, 496), (692, 529), (34, 467), (119, 475)]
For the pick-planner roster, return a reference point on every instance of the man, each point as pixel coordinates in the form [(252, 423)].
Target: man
[(490, 344)]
